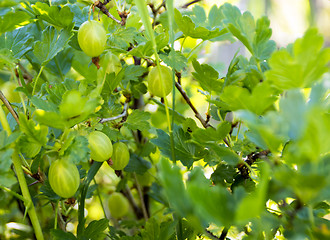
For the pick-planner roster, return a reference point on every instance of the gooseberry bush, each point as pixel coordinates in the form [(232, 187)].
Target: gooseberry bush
[(116, 128)]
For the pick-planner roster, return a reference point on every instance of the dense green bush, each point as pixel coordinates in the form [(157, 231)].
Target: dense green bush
[(254, 165)]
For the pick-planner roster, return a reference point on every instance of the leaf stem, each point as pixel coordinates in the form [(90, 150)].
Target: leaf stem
[(26, 194), (56, 212), (36, 80), (100, 199), (81, 209), (192, 50), (13, 193), (170, 10)]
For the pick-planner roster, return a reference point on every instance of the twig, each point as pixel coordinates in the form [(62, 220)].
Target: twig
[(155, 11), (211, 235), (224, 233), (26, 74), (222, 236), (143, 206), (103, 9), (123, 114), (190, 3), (197, 114), (10, 108), (128, 194), (251, 158)]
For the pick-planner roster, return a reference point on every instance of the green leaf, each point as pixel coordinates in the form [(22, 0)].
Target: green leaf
[(152, 230), (185, 150), (261, 98), (122, 38), (112, 81), (55, 91), (7, 58), (207, 77), (7, 179), (58, 234), (78, 150), (81, 64), (262, 46), (5, 140), (51, 44), (73, 109), (225, 154), (175, 60), (138, 120), (174, 188), (79, 15), (223, 174), (253, 205), (207, 201), (188, 27), (95, 229), (5, 160), (301, 64), (254, 36), (35, 135), (47, 191), (268, 132), (211, 134), (143, 49), (13, 20), (58, 16), (137, 164), (18, 41), (61, 63), (133, 72)]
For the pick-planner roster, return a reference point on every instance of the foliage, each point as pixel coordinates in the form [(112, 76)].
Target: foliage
[(255, 167)]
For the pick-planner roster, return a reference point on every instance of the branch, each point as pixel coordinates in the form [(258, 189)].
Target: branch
[(251, 158), (26, 74), (190, 3), (10, 108), (155, 11), (103, 9), (123, 114), (224, 233), (143, 206), (197, 114)]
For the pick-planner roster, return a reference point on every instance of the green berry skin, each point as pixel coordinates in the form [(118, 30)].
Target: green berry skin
[(92, 38), (120, 156), (118, 205), (100, 146), (64, 178), (160, 81), (111, 63)]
